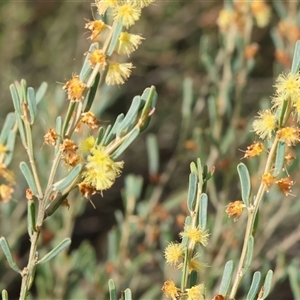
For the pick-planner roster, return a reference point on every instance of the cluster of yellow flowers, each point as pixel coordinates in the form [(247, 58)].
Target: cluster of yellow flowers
[(276, 125), (100, 170), (259, 10)]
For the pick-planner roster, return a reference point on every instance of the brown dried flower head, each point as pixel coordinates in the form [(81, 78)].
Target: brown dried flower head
[(74, 88), (285, 185), (50, 137), (235, 209), (254, 150)]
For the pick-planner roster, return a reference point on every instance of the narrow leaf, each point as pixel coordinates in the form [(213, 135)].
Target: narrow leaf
[(226, 278), (114, 39), (267, 284), (113, 131), (249, 254), (245, 182), (54, 252), (55, 204), (7, 126), (127, 294), (28, 177), (130, 117), (32, 106), (4, 295), (92, 93), (8, 255), (10, 147), (153, 154), (41, 92), (150, 96), (296, 59), (107, 131), (112, 290), (252, 294), (203, 211), (68, 181), (126, 143), (31, 217), (192, 192)]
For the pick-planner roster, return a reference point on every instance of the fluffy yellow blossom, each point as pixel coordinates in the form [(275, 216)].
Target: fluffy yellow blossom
[(127, 14), (127, 43), (173, 253), (101, 171), (118, 73), (103, 5), (195, 234), (265, 124), (141, 3), (196, 292), (225, 19), (261, 12), (86, 145), (288, 87)]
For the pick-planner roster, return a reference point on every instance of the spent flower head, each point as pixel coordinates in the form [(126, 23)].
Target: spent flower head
[(289, 135), (235, 209), (285, 185), (253, 150), (74, 88), (170, 290)]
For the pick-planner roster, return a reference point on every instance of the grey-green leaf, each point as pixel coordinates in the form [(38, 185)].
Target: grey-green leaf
[(114, 39), (296, 59), (112, 290), (4, 295), (153, 154), (68, 181), (129, 120), (127, 294), (126, 143), (41, 92), (54, 252), (32, 106), (29, 177), (245, 182), (7, 126), (249, 254), (203, 211), (226, 278), (192, 191), (31, 217), (254, 286), (8, 255), (267, 284)]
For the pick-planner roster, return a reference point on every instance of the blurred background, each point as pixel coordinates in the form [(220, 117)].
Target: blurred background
[(203, 110)]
